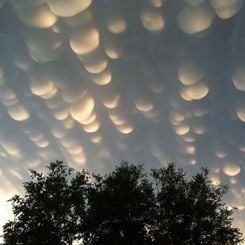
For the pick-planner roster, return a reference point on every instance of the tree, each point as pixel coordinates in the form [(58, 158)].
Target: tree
[(190, 211), (48, 211), (119, 207), (123, 207)]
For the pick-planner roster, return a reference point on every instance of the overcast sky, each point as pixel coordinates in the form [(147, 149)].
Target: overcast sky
[(96, 82)]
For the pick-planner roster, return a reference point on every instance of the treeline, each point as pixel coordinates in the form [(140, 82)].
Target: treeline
[(123, 207)]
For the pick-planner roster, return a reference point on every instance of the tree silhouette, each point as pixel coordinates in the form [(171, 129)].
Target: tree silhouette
[(190, 211), (119, 207), (123, 207), (50, 209)]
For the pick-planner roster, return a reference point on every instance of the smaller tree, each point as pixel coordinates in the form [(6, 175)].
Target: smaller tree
[(50, 209)]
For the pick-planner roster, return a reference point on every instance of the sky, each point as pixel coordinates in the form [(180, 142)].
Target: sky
[(95, 82)]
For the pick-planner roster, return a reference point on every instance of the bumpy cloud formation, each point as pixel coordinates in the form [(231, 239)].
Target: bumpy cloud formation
[(95, 82)]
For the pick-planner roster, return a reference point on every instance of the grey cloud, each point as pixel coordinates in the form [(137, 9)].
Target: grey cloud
[(145, 81)]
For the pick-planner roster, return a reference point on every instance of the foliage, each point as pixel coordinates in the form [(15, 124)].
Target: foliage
[(50, 209), (190, 211), (119, 207), (124, 207)]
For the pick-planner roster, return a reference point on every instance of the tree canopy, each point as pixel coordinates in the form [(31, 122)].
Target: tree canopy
[(125, 206), (51, 209)]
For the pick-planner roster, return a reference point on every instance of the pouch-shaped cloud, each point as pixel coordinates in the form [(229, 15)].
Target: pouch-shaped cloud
[(240, 112), (239, 77), (194, 92), (199, 129), (92, 117), (92, 127), (18, 112), (73, 94), (82, 109), (23, 61), (144, 105), (61, 113), (112, 51), (95, 66), (226, 8), (125, 128), (117, 118), (182, 129), (44, 46), (117, 25), (152, 19), (190, 72), (231, 169), (39, 16), (194, 19), (111, 101), (11, 148), (43, 88), (66, 8), (84, 41), (58, 131), (8, 97), (75, 149), (103, 78)]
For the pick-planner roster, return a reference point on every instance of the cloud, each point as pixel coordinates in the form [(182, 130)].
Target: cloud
[(97, 82)]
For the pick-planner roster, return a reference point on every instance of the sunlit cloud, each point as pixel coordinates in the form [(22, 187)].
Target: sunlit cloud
[(195, 19), (35, 15), (84, 41), (194, 92), (226, 9), (152, 20), (65, 9), (231, 169)]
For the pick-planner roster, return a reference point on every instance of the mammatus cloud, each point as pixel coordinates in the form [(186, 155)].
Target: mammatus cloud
[(95, 82)]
